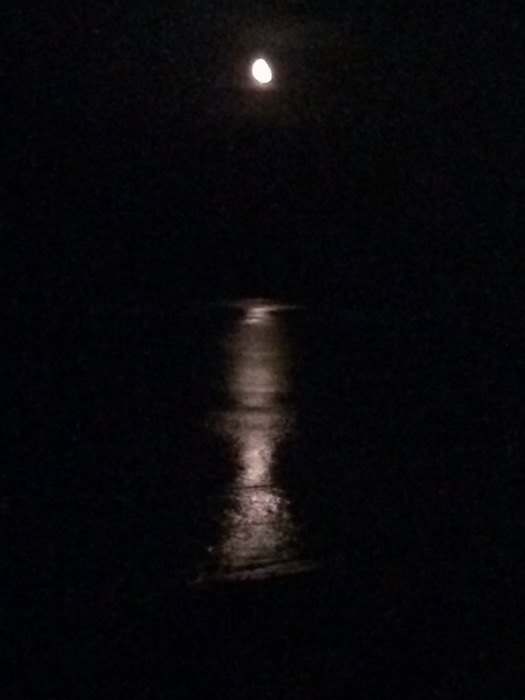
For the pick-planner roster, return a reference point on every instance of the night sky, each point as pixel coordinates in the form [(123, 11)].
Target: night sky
[(142, 162)]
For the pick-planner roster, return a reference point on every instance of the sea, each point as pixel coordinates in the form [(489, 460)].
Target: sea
[(255, 497)]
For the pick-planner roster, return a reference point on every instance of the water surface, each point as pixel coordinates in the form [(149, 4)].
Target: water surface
[(258, 535)]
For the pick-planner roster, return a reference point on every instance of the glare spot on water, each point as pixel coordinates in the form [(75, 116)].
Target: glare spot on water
[(258, 532), (257, 314)]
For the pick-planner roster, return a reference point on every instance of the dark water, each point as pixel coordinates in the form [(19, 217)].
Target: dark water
[(259, 497)]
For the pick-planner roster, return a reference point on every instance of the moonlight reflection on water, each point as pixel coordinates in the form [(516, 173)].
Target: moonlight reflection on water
[(258, 536)]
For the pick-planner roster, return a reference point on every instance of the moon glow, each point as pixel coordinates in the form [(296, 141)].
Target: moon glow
[(261, 71)]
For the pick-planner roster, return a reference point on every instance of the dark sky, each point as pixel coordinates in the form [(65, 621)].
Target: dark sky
[(174, 56), (390, 127)]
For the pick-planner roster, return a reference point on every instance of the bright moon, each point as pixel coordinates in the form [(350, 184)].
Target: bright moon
[(261, 71)]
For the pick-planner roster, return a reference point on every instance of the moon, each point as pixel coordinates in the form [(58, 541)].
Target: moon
[(261, 71)]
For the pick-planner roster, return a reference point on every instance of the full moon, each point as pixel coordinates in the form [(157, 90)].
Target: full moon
[(261, 71)]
